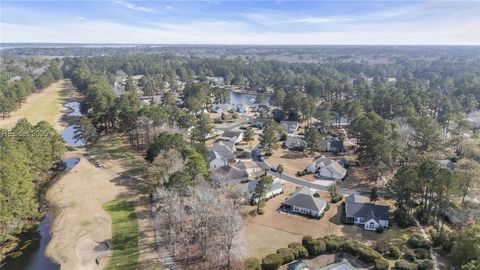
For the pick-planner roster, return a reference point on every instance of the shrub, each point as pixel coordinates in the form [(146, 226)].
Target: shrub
[(394, 252), (443, 239), (422, 253), (380, 229), (425, 265), (409, 255), (287, 254), (336, 198), (333, 242), (261, 211), (403, 219), (327, 207), (298, 250), (417, 241), (381, 264), (382, 246), (314, 247), (252, 264), (272, 261), (363, 252), (404, 265), (316, 195)]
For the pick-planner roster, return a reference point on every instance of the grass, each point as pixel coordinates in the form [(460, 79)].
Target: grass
[(124, 234), (39, 107)]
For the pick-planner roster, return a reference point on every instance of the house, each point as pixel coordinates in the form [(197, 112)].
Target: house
[(216, 160), (242, 108), (303, 202), (221, 108), (261, 122), (326, 168), (336, 146), (370, 216), (229, 174), (332, 144), (232, 136), (447, 164), (225, 149), (289, 126), (295, 142), (276, 189), (259, 107)]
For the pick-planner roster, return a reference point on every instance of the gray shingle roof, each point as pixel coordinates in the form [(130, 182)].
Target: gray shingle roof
[(230, 173), (250, 186), (353, 208), (305, 199)]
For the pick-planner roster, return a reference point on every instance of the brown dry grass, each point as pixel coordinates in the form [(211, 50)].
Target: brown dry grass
[(44, 106), (273, 230)]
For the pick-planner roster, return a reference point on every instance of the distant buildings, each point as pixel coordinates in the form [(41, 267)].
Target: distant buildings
[(289, 126), (232, 136)]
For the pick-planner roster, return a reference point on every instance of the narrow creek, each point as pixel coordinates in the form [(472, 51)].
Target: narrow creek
[(33, 256)]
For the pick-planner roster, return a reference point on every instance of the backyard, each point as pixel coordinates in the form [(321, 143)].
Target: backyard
[(274, 229)]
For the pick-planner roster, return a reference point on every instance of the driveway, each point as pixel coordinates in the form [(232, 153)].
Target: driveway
[(255, 155)]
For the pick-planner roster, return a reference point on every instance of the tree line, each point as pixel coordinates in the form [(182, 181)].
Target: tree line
[(29, 158), (15, 87)]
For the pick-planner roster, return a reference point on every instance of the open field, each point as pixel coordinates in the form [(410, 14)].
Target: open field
[(125, 235), (44, 106), (273, 230), (77, 199)]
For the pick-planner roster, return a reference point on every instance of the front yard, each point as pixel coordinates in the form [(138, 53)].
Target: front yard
[(273, 230)]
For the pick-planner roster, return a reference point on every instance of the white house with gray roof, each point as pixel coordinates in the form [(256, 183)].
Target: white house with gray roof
[(275, 189), (303, 202), (289, 126), (326, 168), (370, 216)]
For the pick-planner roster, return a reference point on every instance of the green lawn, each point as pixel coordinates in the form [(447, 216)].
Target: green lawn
[(124, 234)]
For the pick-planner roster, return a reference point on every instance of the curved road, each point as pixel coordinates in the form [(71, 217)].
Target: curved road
[(255, 156)]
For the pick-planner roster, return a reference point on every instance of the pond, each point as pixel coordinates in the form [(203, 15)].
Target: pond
[(69, 133), (33, 257), (244, 98)]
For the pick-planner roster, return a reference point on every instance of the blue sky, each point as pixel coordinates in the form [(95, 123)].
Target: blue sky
[(241, 22)]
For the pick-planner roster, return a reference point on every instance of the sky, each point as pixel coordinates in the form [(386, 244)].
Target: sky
[(286, 22)]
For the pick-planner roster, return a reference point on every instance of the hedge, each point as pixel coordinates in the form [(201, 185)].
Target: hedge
[(425, 265), (336, 198), (334, 242), (394, 252), (409, 255), (363, 252), (417, 241), (404, 265), (252, 264), (422, 253), (314, 247), (299, 251), (272, 261), (287, 253), (381, 264)]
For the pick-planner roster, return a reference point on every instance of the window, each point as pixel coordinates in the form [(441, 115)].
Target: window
[(371, 225)]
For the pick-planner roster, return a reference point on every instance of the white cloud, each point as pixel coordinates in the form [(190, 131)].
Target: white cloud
[(80, 18), (134, 7), (234, 32), (321, 20)]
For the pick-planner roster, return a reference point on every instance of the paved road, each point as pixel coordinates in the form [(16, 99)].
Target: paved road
[(248, 118), (255, 156)]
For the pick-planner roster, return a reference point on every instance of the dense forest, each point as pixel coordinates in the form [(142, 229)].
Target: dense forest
[(29, 158)]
